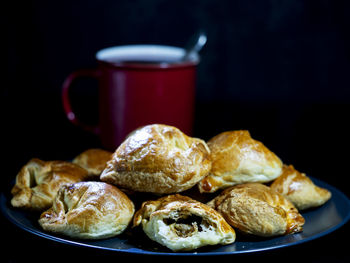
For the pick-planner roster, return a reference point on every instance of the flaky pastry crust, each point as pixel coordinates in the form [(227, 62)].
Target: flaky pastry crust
[(181, 223), (254, 208), (38, 182), (299, 189), (158, 159), (94, 161), (88, 210), (237, 158)]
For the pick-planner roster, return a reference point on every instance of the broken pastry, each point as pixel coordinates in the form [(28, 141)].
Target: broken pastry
[(38, 182), (94, 161), (255, 209), (237, 158), (88, 210), (181, 223), (158, 159), (299, 189)]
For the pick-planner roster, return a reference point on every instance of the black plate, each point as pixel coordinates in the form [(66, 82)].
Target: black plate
[(318, 222)]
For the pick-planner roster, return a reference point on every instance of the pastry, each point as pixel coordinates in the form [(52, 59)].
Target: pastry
[(236, 159), (88, 210), (299, 189), (181, 223), (38, 182), (94, 161), (158, 159), (255, 209)]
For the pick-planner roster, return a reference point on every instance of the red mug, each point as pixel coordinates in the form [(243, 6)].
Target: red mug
[(138, 85)]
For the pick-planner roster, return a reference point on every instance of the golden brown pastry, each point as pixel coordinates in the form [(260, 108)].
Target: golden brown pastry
[(94, 161), (236, 159), (299, 189), (38, 182), (181, 223), (158, 159), (254, 208), (88, 210)]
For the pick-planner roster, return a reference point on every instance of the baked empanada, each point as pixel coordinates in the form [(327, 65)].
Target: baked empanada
[(88, 210), (181, 223), (299, 189), (38, 182), (254, 208), (158, 159), (236, 159), (94, 161)]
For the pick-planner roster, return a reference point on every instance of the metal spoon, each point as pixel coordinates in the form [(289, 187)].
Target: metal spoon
[(195, 44)]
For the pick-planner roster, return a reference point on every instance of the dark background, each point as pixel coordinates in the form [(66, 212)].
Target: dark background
[(278, 68)]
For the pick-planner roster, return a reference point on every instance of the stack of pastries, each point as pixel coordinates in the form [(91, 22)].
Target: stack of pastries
[(239, 185)]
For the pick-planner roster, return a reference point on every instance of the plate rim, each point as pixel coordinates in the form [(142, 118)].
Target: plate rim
[(138, 251)]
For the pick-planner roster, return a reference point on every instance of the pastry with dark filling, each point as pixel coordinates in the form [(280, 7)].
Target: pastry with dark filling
[(181, 223)]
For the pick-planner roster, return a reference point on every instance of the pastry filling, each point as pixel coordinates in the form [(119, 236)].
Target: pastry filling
[(186, 226)]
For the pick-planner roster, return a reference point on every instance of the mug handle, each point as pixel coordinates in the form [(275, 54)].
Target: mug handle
[(90, 73)]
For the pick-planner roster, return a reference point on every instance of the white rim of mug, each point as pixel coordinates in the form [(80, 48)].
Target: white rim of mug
[(119, 54)]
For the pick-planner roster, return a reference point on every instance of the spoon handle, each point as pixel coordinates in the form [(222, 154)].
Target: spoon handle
[(195, 44)]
